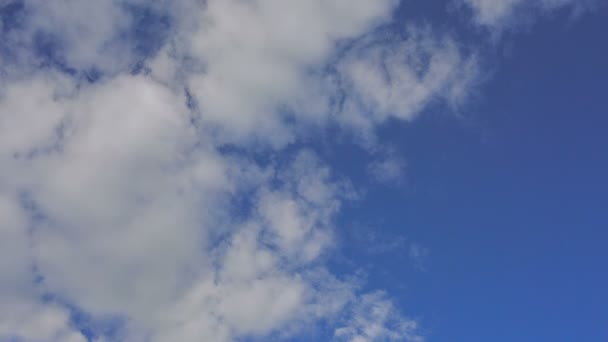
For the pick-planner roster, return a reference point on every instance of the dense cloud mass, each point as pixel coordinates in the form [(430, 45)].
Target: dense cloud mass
[(134, 204)]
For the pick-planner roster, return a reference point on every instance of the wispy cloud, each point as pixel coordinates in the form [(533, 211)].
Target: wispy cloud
[(498, 15), (419, 255), (374, 318)]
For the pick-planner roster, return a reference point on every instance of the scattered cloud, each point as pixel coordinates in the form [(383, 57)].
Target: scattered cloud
[(374, 318), (120, 196), (500, 14), (389, 169)]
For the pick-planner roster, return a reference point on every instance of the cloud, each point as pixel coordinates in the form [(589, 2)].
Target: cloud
[(255, 58), (386, 76), (374, 318), (419, 255), (500, 14), (263, 85), (129, 190), (388, 168), (37, 323)]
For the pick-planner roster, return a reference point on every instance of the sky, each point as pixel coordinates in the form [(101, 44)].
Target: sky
[(303, 170)]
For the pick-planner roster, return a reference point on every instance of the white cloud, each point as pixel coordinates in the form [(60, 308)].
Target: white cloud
[(37, 323), (388, 169), (116, 197), (257, 55), (86, 30), (393, 77), (498, 14), (491, 12), (373, 318)]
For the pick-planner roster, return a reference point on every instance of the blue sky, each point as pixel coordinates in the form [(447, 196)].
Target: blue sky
[(508, 196), (268, 171)]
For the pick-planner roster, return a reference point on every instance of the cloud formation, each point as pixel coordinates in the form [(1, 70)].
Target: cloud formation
[(499, 14), (128, 190)]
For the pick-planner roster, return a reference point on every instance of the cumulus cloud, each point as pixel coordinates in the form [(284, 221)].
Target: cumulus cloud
[(128, 190), (256, 58), (37, 323)]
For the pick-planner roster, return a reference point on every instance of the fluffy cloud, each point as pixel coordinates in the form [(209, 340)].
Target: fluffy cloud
[(117, 206), (248, 72), (389, 76), (133, 195), (37, 323)]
